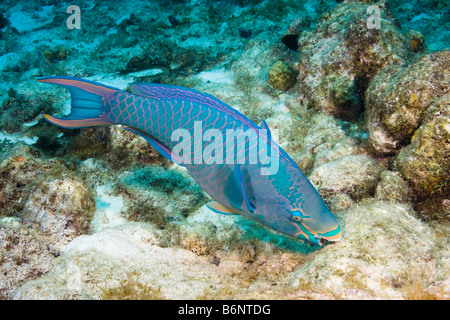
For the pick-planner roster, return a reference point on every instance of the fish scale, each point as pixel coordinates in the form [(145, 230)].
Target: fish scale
[(283, 200)]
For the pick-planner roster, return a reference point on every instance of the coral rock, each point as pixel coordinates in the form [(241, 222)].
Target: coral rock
[(398, 97), (127, 148), (424, 163), (281, 77), (341, 55), (61, 208), (356, 176), (290, 38), (375, 256), (391, 187), (17, 174), (24, 255), (416, 41)]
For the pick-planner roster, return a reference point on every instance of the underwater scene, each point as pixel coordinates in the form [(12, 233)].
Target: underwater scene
[(221, 150)]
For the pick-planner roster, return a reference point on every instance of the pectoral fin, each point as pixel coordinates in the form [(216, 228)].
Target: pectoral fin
[(236, 191)]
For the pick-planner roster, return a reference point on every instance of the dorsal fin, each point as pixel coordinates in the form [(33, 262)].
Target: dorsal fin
[(157, 90)]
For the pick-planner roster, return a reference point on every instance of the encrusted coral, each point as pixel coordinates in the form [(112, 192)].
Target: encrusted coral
[(18, 175), (281, 77), (356, 176), (42, 208), (24, 255), (391, 187), (316, 138), (61, 207), (97, 213), (425, 162), (398, 97), (386, 250), (88, 270), (131, 289), (57, 54), (341, 55), (90, 143), (18, 109), (127, 148)]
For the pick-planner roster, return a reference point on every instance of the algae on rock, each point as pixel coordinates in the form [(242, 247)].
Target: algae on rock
[(425, 162), (43, 207), (281, 77), (356, 176), (391, 187), (341, 55), (398, 97), (386, 249)]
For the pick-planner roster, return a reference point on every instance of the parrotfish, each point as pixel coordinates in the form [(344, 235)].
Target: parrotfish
[(257, 179)]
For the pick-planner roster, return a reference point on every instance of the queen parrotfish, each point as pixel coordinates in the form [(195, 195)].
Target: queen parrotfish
[(256, 179)]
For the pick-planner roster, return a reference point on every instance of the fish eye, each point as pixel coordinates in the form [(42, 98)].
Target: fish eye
[(296, 216)]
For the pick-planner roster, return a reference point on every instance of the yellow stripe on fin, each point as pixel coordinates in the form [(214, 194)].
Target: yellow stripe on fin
[(219, 208)]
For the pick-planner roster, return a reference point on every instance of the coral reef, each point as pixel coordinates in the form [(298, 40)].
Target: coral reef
[(97, 213), (42, 209), (424, 163), (375, 241), (17, 110), (341, 55), (61, 207), (126, 148), (398, 97), (290, 38), (160, 196), (18, 174), (57, 54), (391, 187), (356, 176), (430, 18), (24, 255)]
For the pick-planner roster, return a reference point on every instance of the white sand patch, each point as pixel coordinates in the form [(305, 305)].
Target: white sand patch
[(108, 210), (216, 76), (15, 138)]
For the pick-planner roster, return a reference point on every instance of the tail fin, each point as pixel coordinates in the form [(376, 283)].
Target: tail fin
[(88, 102)]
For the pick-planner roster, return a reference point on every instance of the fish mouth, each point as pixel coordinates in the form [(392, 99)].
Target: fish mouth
[(333, 235), (319, 239), (330, 236), (337, 237), (322, 241)]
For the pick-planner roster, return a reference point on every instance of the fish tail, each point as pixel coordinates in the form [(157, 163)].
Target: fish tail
[(89, 102)]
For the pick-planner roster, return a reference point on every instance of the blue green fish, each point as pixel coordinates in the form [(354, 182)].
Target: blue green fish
[(234, 161)]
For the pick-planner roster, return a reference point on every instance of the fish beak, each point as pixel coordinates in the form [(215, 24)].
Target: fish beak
[(334, 238)]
